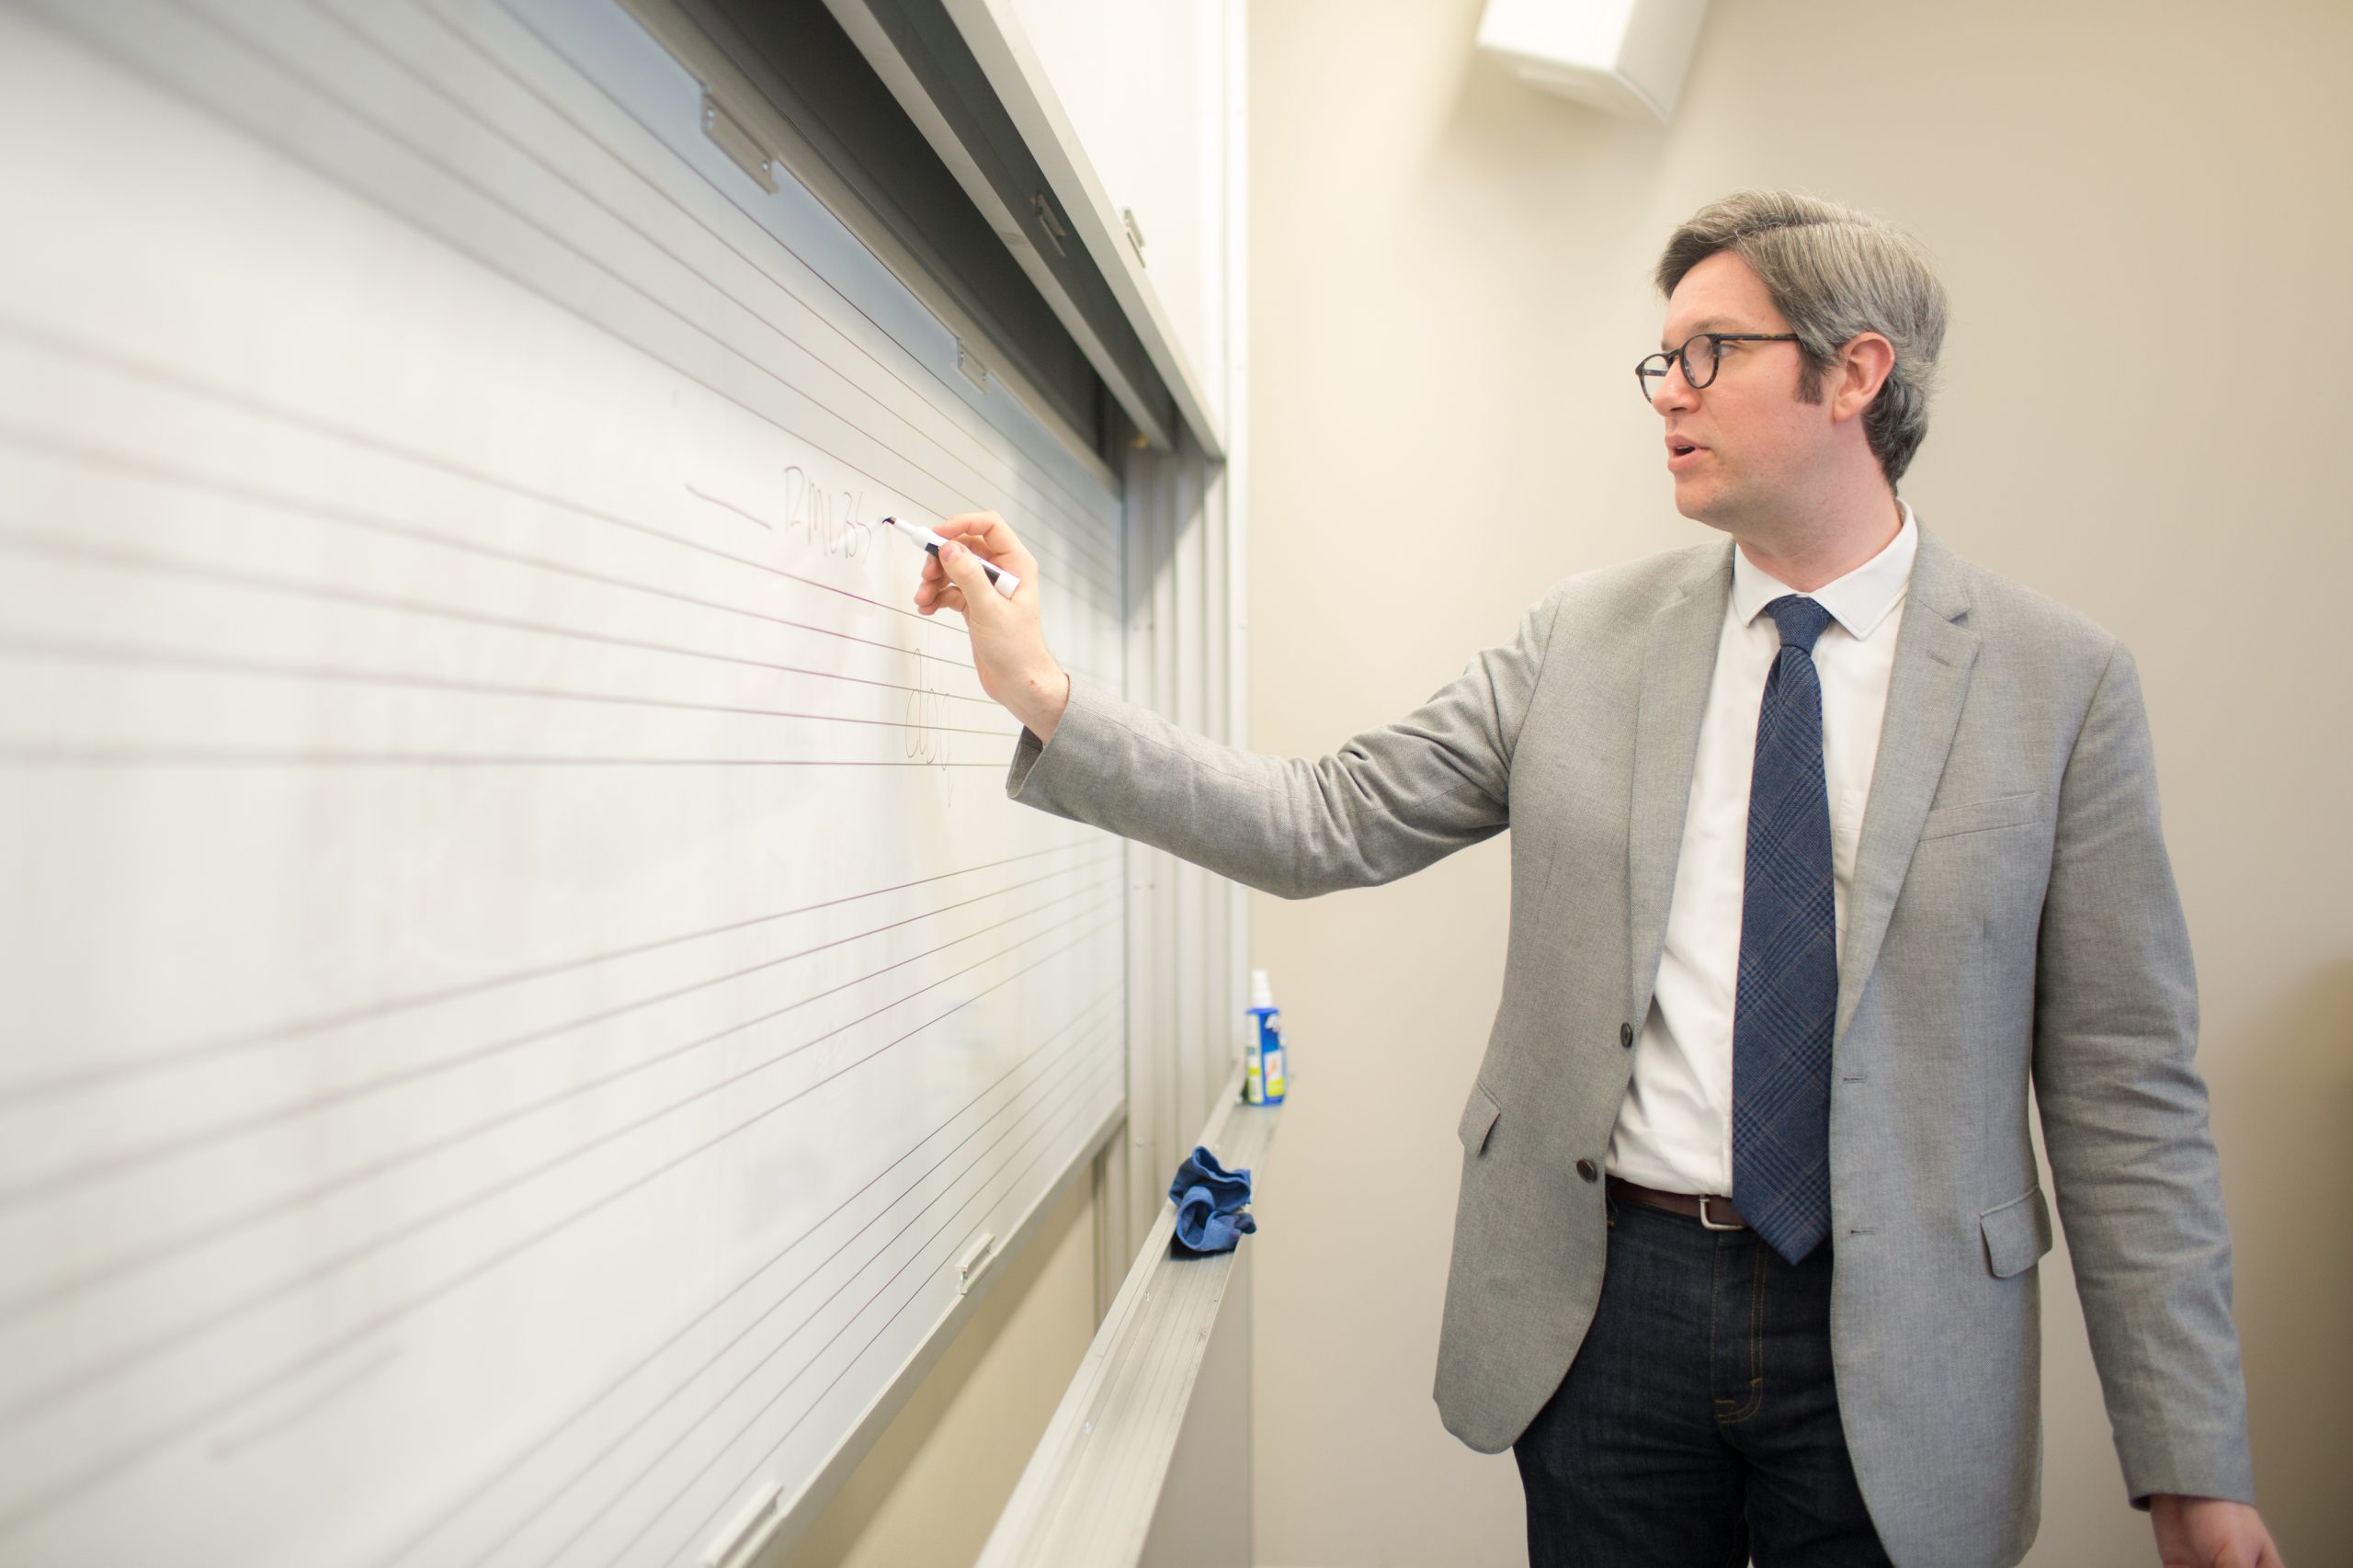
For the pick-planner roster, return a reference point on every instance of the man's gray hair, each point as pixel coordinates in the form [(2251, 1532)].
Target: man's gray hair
[(1833, 273)]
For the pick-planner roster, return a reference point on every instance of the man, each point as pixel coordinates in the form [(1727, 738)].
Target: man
[(1826, 845)]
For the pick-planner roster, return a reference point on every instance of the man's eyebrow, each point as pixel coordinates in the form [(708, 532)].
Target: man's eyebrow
[(1705, 323)]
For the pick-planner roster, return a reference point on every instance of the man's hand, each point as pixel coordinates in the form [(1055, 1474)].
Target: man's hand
[(2207, 1532), (1008, 642)]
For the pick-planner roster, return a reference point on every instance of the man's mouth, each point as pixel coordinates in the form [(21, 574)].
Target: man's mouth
[(1678, 450)]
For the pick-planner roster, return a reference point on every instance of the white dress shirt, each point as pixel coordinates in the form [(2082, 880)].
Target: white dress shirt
[(1673, 1132)]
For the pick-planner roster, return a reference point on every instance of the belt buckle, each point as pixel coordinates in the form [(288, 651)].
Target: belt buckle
[(1708, 1224)]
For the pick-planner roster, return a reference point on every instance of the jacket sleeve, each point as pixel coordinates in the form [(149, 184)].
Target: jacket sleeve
[(2124, 1117), (1388, 801)]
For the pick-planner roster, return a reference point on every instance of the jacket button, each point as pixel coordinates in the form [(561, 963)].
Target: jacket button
[(1585, 1169), (1626, 1036)]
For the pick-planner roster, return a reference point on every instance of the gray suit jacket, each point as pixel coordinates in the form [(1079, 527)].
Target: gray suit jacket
[(2012, 921)]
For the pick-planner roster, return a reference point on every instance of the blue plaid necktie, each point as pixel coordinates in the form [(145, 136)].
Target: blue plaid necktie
[(1788, 990)]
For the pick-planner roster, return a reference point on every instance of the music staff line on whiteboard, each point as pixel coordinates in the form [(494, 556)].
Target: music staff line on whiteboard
[(229, 1357), (15, 535), (110, 460), (851, 531), (229, 1444), (1066, 1085), (88, 1078), (1067, 504), (117, 1459), (1102, 1075), (157, 1252), (24, 1405), (100, 757), (116, 1164), (92, 651), (115, 362), (466, 178), (1099, 1078), (196, 660), (545, 1437), (655, 240)]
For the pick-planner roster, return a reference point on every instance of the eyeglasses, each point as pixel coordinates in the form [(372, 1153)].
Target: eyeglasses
[(1702, 356)]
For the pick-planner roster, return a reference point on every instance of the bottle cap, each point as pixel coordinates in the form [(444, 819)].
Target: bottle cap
[(1262, 992)]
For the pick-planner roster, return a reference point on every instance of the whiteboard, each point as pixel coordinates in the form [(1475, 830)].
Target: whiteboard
[(520, 982)]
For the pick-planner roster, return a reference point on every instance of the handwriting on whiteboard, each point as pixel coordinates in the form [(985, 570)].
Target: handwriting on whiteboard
[(827, 520), (927, 732), (731, 459)]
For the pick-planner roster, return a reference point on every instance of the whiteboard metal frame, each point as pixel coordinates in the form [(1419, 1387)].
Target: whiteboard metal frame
[(693, 47), (993, 32)]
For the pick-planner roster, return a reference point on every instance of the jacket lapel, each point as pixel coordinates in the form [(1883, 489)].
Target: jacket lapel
[(1935, 652), (1679, 660)]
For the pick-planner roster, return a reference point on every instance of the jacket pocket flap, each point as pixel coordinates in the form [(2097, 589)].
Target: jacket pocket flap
[(1979, 816), (1478, 1119), (2016, 1233)]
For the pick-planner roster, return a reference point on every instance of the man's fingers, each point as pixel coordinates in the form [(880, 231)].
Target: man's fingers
[(989, 533), (994, 539), (947, 595), (956, 574), (964, 570)]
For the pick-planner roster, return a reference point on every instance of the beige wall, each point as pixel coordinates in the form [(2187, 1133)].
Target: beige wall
[(2139, 211)]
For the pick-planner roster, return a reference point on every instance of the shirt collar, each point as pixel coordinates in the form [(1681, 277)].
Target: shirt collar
[(1858, 601)]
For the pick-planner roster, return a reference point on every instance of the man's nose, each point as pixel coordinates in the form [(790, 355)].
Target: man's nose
[(1674, 392)]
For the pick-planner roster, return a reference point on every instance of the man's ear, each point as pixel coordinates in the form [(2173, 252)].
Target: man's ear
[(1864, 365)]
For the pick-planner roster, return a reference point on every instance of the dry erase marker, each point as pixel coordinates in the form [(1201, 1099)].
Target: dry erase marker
[(1005, 581)]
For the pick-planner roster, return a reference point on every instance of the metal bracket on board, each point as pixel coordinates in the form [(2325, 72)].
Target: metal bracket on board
[(969, 363), (1050, 222), (747, 1532), (975, 1261), (729, 132)]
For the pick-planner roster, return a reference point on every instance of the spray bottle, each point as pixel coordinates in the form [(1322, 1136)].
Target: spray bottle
[(1262, 1055)]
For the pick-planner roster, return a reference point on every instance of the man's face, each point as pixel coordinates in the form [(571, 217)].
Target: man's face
[(1745, 445)]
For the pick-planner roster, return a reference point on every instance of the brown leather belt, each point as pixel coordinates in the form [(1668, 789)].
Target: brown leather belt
[(1716, 1213)]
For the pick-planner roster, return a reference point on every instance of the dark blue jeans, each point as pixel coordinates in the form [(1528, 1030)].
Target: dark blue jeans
[(1699, 1423)]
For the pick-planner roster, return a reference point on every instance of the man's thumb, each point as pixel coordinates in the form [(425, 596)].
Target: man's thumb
[(963, 569)]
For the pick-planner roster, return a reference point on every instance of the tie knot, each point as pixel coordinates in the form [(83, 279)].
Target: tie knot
[(1800, 618)]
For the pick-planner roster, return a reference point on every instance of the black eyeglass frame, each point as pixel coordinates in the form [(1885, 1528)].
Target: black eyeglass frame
[(1665, 358)]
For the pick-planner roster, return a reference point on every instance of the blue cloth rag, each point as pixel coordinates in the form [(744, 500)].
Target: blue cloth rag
[(1209, 1199)]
